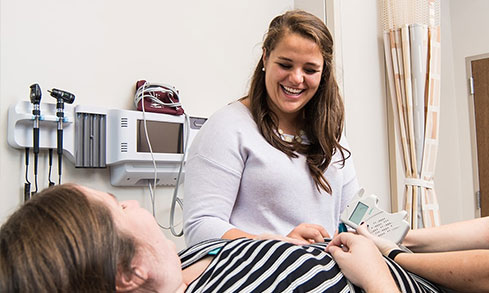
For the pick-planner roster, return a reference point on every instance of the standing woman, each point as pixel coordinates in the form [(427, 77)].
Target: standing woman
[(275, 162)]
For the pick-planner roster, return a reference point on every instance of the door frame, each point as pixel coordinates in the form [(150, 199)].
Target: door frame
[(473, 138)]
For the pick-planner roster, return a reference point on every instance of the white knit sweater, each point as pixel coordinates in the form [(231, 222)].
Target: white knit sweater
[(235, 179)]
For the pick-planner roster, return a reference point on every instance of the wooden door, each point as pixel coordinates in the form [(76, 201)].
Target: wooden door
[(480, 91)]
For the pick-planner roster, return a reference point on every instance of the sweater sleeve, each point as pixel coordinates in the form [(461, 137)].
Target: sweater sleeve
[(210, 194), (212, 179)]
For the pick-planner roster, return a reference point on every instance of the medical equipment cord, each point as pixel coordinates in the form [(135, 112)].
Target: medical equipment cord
[(51, 183), (35, 150), (27, 184), (35, 173), (142, 94), (60, 148), (175, 197), (147, 90)]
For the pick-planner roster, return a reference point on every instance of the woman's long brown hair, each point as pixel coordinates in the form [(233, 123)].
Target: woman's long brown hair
[(323, 115)]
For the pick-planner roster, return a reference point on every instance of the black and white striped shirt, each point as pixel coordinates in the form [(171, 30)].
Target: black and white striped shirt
[(245, 265)]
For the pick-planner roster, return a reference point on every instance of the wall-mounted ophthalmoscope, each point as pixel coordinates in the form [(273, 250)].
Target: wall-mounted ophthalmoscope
[(61, 98)]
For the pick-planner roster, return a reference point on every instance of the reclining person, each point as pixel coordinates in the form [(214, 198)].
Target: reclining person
[(71, 238)]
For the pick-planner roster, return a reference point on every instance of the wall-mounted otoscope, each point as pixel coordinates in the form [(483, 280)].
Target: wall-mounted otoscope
[(61, 98), (36, 111)]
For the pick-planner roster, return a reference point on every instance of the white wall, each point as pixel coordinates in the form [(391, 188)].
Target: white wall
[(364, 93), (99, 49), (449, 162), (316, 7), (468, 24)]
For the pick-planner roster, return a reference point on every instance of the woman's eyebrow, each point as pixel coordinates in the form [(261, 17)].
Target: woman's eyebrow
[(114, 197), (307, 63), (285, 59)]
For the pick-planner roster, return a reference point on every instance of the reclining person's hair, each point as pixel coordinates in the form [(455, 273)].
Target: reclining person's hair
[(59, 241)]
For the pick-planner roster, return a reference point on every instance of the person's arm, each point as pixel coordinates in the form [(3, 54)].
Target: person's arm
[(209, 199), (301, 235), (361, 262), (309, 233), (235, 233), (471, 234), (463, 271), (212, 180)]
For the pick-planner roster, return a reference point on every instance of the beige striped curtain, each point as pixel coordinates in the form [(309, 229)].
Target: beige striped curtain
[(412, 55)]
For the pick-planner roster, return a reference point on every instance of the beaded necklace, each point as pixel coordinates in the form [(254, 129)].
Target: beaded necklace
[(290, 138)]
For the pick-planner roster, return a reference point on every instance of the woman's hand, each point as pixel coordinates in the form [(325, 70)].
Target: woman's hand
[(361, 262), (311, 233), (384, 245)]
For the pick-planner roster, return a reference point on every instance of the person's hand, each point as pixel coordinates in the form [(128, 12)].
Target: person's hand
[(361, 262), (384, 245), (267, 236), (311, 233)]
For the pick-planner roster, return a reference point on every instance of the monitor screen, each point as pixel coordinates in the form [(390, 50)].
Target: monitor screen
[(358, 213), (165, 137)]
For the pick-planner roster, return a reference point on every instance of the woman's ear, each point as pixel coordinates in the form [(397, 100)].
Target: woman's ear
[(129, 281)]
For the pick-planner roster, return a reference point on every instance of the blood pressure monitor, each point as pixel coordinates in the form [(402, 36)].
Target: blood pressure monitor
[(364, 209)]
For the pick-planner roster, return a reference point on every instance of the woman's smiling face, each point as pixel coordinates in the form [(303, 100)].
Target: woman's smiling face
[(292, 74)]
